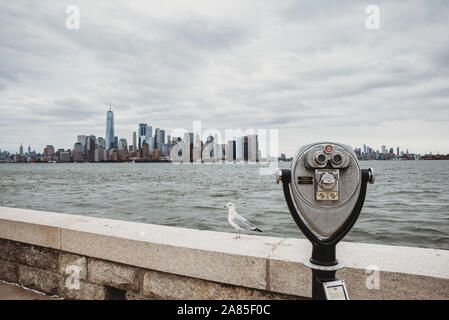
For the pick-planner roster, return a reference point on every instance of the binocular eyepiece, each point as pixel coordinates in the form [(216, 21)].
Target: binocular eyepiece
[(326, 156)]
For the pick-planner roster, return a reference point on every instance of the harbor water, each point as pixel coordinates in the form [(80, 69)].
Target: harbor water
[(408, 205)]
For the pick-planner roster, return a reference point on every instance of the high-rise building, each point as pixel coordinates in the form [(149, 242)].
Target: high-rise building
[(64, 156), (110, 129), (145, 151), (196, 155), (165, 150), (230, 153), (253, 148), (245, 148), (90, 149), (187, 146), (123, 144), (49, 153), (161, 137), (78, 147), (208, 149), (101, 143), (384, 149), (218, 152), (83, 140), (169, 142), (134, 142), (149, 134), (157, 135), (239, 148), (115, 142), (21, 150), (142, 133)]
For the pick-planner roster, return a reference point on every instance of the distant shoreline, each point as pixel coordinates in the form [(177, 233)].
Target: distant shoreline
[(223, 162)]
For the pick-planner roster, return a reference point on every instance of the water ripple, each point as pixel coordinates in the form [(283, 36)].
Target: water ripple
[(408, 204)]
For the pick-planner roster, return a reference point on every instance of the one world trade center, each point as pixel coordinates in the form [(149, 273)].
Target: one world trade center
[(110, 128)]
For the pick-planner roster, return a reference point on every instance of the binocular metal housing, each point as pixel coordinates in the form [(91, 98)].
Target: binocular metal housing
[(325, 191)]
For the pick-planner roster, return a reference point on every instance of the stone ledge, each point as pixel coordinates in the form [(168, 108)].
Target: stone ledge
[(257, 262)]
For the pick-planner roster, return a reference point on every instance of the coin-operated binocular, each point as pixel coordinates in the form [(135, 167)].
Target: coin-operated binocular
[(327, 186)]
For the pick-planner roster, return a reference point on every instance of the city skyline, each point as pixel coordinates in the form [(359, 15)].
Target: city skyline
[(313, 74), (145, 134), (187, 148)]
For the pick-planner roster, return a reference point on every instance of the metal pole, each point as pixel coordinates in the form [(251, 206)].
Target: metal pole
[(318, 277), (322, 255)]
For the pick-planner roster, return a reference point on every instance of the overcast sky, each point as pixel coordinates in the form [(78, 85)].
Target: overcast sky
[(308, 68)]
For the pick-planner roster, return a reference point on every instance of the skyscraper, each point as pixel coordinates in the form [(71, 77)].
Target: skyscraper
[(110, 128), (187, 146), (123, 144), (134, 142), (149, 137), (90, 148), (101, 143), (83, 140), (90, 153), (253, 147), (142, 133), (239, 148), (157, 135), (21, 150), (230, 153), (161, 137)]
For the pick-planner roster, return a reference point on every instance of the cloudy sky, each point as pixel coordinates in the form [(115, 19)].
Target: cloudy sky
[(308, 68)]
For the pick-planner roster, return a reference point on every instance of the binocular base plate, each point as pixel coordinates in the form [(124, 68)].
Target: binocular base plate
[(311, 265)]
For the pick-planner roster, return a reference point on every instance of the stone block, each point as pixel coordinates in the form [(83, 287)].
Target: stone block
[(392, 285), (8, 250), (42, 235), (135, 296), (170, 286), (286, 272), (40, 280), (113, 274), (199, 254), (38, 257), (40, 228), (72, 265), (8, 271), (290, 278), (81, 290)]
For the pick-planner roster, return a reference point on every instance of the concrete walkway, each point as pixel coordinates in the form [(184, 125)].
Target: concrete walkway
[(13, 292)]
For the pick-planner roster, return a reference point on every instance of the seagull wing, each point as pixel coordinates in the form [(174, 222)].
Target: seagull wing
[(242, 222)]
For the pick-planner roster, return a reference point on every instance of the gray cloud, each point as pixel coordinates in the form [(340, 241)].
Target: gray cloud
[(311, 69)]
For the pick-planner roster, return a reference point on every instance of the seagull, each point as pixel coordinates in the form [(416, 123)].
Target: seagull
[(238, 222)]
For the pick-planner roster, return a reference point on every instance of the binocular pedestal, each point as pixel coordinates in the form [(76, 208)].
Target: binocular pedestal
[(324, 265), (323, 261)]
